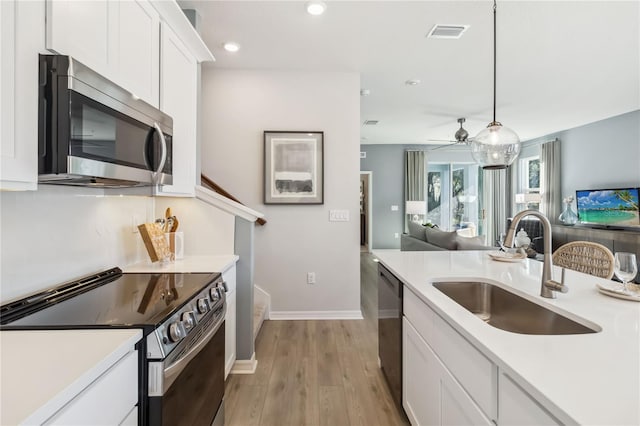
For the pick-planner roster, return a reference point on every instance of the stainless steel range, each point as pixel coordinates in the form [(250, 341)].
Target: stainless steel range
[(181, 378)]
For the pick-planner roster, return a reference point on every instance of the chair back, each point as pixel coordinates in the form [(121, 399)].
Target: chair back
[(587, 257)]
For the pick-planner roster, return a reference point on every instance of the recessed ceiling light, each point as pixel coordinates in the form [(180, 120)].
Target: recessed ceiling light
[(231, 46), (412, 82), (316, 8), (447, 31)]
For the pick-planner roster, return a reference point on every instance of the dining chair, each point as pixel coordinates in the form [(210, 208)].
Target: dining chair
[(587, 257)]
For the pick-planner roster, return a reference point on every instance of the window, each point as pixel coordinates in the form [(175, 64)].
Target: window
[(452, 196), (528, 196)]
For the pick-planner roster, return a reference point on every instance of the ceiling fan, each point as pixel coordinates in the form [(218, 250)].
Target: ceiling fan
[(461, 137)]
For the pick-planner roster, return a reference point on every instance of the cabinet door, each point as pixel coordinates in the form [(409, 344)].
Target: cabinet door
[(420, 396), (83, 29), (517, 407), (178, 98), (118, 39), (22, 28), (108, 400), (138, 49), (431, 395)]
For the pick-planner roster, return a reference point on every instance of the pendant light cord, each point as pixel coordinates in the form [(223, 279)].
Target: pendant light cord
[(494, 60)]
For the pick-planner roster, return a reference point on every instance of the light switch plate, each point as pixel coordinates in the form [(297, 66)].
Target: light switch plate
[(338, 215), (394, 208)]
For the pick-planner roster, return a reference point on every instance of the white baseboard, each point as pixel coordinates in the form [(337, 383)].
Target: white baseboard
[(245, 366), (315, 315)]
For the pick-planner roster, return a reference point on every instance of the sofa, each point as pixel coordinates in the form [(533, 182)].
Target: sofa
[(427, 238)]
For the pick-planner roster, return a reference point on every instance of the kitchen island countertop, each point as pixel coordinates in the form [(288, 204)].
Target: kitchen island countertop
[(583, 379)]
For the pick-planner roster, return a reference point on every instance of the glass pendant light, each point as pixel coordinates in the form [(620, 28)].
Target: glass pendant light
[(495, 147)]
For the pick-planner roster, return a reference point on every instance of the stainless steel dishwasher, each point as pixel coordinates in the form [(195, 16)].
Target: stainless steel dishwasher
[(390, 331)]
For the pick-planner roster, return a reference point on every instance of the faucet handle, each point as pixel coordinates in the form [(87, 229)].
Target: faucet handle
[(557, 286)]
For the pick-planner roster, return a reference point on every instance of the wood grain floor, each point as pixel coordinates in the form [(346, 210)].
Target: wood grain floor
[(317, 372)]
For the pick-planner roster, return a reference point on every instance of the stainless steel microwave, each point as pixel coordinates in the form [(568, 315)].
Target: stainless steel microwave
[(92, 132)]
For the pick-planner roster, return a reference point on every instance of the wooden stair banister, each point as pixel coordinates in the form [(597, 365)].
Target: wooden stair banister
[(217, 188)]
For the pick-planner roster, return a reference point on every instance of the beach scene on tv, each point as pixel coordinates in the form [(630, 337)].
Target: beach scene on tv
[(618, 207)]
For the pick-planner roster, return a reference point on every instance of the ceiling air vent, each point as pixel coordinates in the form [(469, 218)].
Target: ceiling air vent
[(447, 31), (370, 122)]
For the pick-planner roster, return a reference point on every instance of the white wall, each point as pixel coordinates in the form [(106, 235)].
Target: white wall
[(57, 234), (237, 107), (207, 229)]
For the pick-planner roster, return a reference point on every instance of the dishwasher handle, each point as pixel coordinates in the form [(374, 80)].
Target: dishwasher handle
[(390, 280)]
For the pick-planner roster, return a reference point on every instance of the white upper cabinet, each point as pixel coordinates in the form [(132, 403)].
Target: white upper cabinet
[(178, 98), (119, 40), (138, 52), (22, 29)]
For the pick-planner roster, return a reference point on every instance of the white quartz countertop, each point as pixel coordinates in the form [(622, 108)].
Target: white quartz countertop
[(583, 379), (40, 371), (202, 263)]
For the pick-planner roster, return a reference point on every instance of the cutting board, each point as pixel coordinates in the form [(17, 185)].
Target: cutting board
[(154, 241)]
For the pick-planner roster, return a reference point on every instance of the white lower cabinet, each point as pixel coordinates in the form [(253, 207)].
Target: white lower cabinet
[(431, 395), (229, 276), (109, 400), (448, 381), (517, 407)]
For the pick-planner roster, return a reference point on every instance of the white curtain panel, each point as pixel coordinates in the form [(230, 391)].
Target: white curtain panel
[(415, 179), (550, 180)]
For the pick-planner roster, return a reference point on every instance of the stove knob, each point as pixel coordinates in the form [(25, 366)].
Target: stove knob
[(176, 332), (213, 294), (224, 285), (203, 305), (221, 292), (188, 320)]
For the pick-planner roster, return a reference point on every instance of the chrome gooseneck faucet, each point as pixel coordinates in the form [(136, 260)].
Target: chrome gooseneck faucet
[(548, 285)]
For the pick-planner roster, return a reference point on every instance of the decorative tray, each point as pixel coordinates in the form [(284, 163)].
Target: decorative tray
[(502, 256), (614, 289)]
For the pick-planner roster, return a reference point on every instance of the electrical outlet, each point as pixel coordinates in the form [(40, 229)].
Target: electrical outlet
[(311, 277), (396, 235), (394, 208)]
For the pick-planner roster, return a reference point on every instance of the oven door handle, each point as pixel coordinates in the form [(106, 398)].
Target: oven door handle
[(173, 371)]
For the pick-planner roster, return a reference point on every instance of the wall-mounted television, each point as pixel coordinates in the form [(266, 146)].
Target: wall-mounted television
[(611, 208)]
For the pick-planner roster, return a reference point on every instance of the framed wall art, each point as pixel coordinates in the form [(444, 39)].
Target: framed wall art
[(293, 167)]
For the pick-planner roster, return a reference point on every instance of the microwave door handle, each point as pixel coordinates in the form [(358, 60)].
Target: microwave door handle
[(163, 144)]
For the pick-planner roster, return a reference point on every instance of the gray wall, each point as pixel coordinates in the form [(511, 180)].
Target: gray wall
[(386, 162), (604, 154)]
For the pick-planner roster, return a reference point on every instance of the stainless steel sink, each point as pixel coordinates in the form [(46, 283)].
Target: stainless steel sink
[(508, 311)]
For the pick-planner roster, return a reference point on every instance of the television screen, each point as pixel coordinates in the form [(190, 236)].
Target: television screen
[(609, 207)]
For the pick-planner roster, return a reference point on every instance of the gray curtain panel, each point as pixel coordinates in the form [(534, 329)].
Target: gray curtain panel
[(550, 180), (495, 202), (414, 179)]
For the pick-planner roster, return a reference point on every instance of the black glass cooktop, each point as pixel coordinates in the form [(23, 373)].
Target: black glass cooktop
[(126, 300)]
